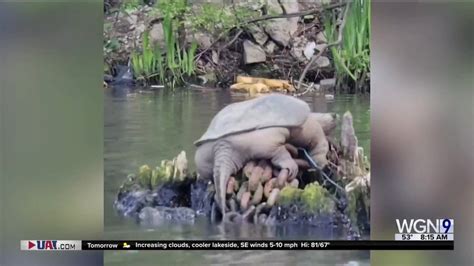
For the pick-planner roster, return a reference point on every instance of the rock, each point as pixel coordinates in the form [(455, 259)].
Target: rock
[(270, 47), (308, 18), (157, 36), (253, 53), (321, 38), (258, 34), (322, 62), (310, 4), (327, 84), (108, 78), (297, 51), (309, 50), (132, 19), (281, 30), (289, 195), (140, 28), (159, 215), (202, 197), (251, 5), (315, 198), (204, 40), (320, 47), (129, 202), (215, 57), (291, 7), (208, 78)]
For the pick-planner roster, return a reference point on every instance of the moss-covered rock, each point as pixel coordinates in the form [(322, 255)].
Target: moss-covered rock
[(315, 198), (289, 195)]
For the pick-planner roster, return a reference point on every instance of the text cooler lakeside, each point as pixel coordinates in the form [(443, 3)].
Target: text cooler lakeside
[(235, 245)]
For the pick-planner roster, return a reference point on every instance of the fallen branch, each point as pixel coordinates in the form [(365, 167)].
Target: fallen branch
[(325, 47), (308, 89)]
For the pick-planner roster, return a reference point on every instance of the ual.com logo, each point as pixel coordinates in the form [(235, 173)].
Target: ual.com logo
[(51, 245)]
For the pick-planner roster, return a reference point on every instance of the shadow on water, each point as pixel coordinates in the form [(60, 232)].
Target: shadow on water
[(147, 127)]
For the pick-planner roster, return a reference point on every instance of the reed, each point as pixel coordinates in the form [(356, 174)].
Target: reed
[(169, 66), (352, 56)]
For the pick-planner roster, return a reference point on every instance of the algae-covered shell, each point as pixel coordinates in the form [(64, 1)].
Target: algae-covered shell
[(273, 197), (289, 194), (258, 194), (267, 189), (316, 198), (258, 113), (144, 175)]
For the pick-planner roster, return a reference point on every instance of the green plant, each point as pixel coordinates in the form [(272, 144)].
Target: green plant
[(169, 67), (352, 56), (215, 18), (173, 8), (130, 5), (145, 63)]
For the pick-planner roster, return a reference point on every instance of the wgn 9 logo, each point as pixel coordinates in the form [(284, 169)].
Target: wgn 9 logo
[(425, 229), (424, 226)]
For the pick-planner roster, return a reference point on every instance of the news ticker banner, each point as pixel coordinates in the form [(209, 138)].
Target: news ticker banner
[(64, 245)]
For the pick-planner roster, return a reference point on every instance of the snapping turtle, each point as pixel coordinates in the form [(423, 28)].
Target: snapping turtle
[(259, 129)]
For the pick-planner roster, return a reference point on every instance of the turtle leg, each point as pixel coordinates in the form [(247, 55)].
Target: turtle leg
[(226, 162), (282, 158), (311, 136)]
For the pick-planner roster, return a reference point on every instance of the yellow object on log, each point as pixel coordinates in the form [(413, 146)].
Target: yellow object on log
[(245, 82)]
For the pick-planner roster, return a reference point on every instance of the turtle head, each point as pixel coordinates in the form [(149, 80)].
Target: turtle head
[(328, 121)]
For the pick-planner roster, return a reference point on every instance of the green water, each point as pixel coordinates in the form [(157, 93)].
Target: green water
[(145, 128)]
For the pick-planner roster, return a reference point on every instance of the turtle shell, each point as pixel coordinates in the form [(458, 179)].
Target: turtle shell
[(274, 110)]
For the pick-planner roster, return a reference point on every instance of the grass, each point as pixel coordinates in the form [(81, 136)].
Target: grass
[(130, 5), (172, 64), (352, 57), (169, 67)]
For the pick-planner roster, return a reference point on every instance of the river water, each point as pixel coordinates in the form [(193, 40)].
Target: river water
[(147, 127)]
